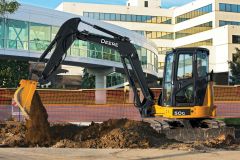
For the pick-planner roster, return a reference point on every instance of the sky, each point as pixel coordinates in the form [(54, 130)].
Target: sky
[(54, 3)]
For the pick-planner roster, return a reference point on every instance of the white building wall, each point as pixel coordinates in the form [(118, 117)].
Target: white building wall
[(140, 3), (222, 48)]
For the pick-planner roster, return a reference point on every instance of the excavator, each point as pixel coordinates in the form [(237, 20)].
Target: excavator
[(186, 100)]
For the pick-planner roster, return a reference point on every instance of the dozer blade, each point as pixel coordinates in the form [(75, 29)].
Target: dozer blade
[(23, 96)]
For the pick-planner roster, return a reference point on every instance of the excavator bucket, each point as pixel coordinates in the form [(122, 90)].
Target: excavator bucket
[(24, 94)]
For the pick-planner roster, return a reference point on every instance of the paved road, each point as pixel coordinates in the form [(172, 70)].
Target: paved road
[(103, 154)]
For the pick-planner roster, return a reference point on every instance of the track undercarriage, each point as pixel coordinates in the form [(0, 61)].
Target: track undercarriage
[(191, 130)]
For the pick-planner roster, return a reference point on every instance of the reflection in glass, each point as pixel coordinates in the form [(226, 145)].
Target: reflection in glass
[(36, 37), (185, 66), (194, 30), (17, 34), (195, 13), (202, 64), (1, 32), (167, 88), (185, 95), (128, 17), (39, 36)]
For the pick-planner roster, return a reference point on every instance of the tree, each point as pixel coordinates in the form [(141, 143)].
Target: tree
[(235, 68), (8, 6), (88, 81), (12, 71)]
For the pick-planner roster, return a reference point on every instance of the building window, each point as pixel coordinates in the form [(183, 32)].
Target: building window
[(39, 35), (200, 43), (24, 35), (223, 23), (1, 32), (160, 65), (145, 3), (236, 39), (194, 30), (195, 13), (163, 50), (128, 17), (159, 35), (17, 34), (229, 7)]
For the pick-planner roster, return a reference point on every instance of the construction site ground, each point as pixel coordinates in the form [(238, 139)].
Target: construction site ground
[(102, 154), (112, 139)]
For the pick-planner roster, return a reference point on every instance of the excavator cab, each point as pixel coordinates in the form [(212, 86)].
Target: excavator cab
[(187, 85)]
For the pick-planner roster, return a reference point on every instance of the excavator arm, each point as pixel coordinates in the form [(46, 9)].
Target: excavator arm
[(65, 37)]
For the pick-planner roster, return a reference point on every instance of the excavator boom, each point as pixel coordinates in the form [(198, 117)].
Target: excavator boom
[(63, 40)]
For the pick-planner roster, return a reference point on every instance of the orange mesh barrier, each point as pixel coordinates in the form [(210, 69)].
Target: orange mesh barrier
[(99, 105)]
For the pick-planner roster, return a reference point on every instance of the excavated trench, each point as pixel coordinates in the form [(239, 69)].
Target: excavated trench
[(120, 133)]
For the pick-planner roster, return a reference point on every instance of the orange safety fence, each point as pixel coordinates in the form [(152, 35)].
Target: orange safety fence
[(102, 104)]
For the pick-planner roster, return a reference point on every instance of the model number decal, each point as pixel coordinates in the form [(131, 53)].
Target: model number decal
[(181, 112)]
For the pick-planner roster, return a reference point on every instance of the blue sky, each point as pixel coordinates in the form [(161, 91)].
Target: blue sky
[(53, 3)]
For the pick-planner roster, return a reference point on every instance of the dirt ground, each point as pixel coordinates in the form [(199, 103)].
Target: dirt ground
[(121, 133), (118, 154)]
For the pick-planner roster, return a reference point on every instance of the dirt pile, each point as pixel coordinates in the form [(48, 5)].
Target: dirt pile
[(12, 134), (38, 128), (116, 134), (110, 134)]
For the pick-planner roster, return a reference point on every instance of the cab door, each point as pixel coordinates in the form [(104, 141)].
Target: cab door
[(202, 70), (184, 80)]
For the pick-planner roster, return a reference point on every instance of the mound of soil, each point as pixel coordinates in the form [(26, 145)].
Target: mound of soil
[(121, 133), (12, 134)]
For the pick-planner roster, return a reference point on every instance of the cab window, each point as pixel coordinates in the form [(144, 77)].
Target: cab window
[(202, 64), (185, 66)]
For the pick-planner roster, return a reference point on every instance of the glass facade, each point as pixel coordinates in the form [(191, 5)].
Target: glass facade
[(156, 34), (161, 65), (36, 37), (159, 35), (224, 23), (16, 34), (1, 32), (193, 14), (229, 7), (114, 79), (128, 17), (163, 50), (39, 36), (194, 30), (208, 42)]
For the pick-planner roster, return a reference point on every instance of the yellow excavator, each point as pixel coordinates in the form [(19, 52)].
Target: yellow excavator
[(187, 95)]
